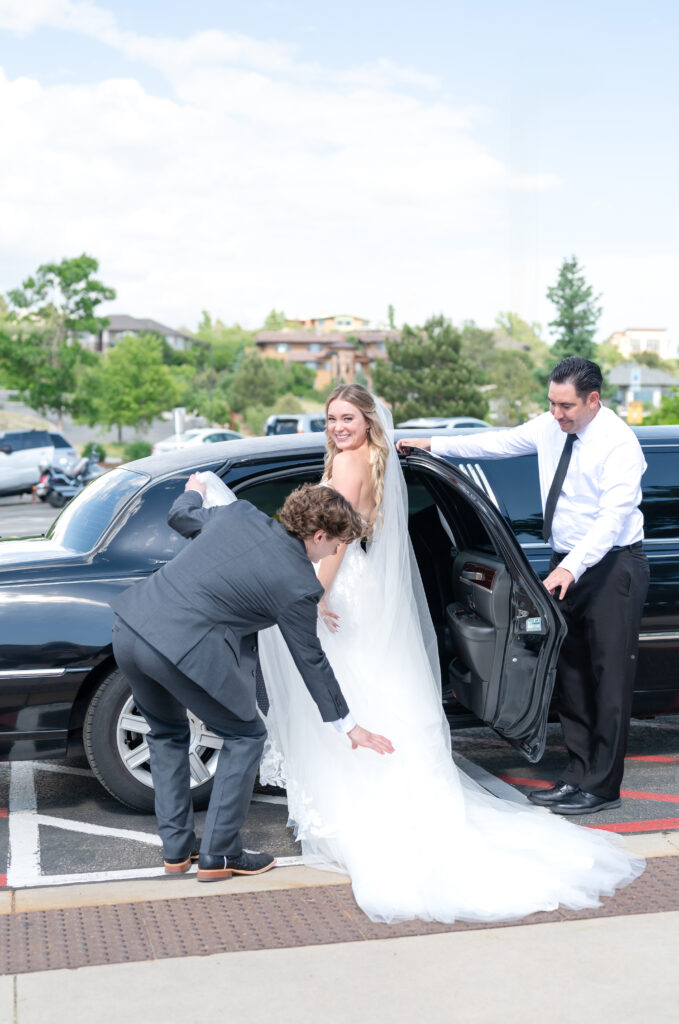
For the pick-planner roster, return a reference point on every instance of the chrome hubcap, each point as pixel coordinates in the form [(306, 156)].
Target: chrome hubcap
[(133, 749)]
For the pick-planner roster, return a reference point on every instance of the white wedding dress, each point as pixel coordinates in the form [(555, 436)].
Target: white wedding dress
[(417, 837)]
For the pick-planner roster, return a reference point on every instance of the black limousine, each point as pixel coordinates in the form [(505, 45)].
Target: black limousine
[(475, 527)]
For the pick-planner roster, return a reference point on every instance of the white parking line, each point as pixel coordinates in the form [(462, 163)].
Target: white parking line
[(87, 828), (23, 868), (60, 769)]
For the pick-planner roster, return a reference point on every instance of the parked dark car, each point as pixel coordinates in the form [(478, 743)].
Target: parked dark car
[(475, 528)]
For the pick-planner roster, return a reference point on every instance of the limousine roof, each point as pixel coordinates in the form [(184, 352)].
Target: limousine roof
[(221, 452)]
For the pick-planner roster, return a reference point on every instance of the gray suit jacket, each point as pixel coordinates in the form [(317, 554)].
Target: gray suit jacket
[(242, 572)]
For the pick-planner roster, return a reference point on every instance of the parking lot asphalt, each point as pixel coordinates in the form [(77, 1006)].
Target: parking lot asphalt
[(61, 827), (25, 516)]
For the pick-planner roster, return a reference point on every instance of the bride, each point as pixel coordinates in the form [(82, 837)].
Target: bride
[(417, 837)]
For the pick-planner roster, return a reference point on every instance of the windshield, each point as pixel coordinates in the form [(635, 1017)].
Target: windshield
[(84, 519)]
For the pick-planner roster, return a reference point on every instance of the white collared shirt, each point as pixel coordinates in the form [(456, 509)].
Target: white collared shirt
[(598, 507)]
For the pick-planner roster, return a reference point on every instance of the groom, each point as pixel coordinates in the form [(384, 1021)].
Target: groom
[(186, 637)]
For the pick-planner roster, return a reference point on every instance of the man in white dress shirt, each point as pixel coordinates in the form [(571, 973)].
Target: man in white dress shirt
[(591, 491)]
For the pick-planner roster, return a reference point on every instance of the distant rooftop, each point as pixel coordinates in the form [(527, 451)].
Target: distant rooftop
[(122, 322), (647, 376)]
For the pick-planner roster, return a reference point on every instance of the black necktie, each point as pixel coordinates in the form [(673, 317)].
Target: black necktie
[(557, 484)]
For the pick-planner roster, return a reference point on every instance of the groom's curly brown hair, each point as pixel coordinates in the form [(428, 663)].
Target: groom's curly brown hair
[(310, 508)]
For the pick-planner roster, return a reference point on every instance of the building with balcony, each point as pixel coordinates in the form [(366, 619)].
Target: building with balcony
[(634, 340), (328, 323), (334, 356)]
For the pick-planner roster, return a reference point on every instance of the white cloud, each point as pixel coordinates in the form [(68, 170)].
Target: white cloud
[(257, 181), (23, 18)]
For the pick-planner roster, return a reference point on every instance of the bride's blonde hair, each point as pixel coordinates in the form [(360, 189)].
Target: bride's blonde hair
[(378, 443)]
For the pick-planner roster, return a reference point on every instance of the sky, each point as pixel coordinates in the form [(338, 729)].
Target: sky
[(443, 156)]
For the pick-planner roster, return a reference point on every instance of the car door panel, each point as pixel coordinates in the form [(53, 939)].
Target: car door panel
[(505, 628), (478, 621)]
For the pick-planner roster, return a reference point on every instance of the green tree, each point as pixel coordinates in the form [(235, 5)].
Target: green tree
[(65, 295), (296, 378), (39, 349), (132, 384), (510, 327), (514, 396), (478, 347), (505, 366), (668, 411), (257, 381), (391, 317), (608, 356), (427, 375), (577, 313), (228, 343), (47, 377), (275, 321)]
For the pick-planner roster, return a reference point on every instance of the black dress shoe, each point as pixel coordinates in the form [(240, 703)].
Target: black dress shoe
[(178, 865), (546, 797), (582, 803), (212, 867)]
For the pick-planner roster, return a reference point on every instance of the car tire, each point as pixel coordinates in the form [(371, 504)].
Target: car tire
[(56, 500), (113, 733)]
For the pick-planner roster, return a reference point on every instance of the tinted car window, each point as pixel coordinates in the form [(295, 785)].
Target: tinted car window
[(59, 442), (22, 440), (85, 519), (144, 535), (517, 485), (270, 495), (285, 427), (317, 426), (660, 489)]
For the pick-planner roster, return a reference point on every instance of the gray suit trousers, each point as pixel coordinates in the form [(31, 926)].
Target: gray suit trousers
[(162, 694)]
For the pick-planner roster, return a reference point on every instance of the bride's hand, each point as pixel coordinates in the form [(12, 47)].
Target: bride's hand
[(360, 737), (331, 619)]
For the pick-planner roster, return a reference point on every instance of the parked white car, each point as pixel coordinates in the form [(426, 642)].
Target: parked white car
[(443, 423), (202, 435), (24, 453)]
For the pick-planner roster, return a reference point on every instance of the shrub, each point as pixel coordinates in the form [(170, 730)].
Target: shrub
[(101, 451), (136, 450), (254, 419)]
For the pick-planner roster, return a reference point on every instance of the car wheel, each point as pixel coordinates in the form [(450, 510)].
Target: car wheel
[(114, 735), (56, 500)]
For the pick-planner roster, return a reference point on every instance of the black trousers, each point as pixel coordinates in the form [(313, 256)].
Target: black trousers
[(162, 694), (597, 667)]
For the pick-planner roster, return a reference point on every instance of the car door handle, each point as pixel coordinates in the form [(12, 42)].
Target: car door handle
[(473, 577)]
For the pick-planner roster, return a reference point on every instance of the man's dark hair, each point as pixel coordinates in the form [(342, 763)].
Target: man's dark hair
[(584, 375)]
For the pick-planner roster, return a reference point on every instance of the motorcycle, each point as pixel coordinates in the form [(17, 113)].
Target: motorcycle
[(57, 486)]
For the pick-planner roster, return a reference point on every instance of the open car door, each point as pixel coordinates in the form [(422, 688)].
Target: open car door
[(504, 630)]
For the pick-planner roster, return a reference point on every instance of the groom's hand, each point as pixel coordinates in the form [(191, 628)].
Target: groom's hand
[(360, 737), (194, 484)]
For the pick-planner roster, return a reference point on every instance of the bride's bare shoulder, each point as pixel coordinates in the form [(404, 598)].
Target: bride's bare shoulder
[(350, 464)]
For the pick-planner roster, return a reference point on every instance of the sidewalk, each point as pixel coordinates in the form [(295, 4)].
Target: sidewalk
[(290, 945)]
